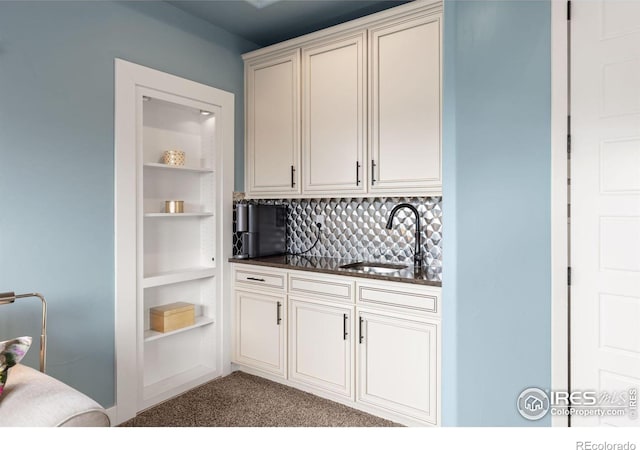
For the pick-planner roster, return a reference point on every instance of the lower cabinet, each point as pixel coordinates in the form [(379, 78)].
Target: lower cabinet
[(397, 364), (371, 344), (320, 345), (260, 331)]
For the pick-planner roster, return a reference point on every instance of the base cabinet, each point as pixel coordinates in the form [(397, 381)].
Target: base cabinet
[(372, 345), (397, 364), (320, 345), (260, 331)]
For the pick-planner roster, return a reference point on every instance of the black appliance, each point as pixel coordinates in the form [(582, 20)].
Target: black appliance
[(263, 228)]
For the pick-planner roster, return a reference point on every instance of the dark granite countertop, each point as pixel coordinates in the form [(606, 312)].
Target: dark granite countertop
[(332, 266)]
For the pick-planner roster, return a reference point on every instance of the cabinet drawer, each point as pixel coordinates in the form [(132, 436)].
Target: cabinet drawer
[(260, 278), (334, 287), (409, 297)]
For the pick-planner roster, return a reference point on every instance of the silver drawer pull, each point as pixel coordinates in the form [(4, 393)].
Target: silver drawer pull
[(255, 279)]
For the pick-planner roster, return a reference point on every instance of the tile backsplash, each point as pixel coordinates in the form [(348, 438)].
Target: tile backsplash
[(354, 228)]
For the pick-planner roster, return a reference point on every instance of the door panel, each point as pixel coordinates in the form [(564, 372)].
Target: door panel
[(397, 365), (259, 335), (405, 105), (334, 116), (272, 120), (605, 200), (320, 352)]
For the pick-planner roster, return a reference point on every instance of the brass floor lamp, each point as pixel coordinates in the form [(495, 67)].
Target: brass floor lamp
[(7, 298)]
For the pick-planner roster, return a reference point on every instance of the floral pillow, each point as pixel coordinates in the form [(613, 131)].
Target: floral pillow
[(11, 352)]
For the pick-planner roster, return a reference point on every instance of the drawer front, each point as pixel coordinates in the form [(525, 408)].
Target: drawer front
[(333, 287), (383, 295), (259, 278)]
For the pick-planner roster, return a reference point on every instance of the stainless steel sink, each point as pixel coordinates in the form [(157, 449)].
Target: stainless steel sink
[(373, 267)]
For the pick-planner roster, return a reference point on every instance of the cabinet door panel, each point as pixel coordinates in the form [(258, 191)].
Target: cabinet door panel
[(334, 92), (272, 120), (320, 353), (405, 105), (397, 365), (259, 335)]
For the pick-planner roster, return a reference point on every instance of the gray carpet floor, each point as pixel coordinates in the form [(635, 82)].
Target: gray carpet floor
[(243, 400)]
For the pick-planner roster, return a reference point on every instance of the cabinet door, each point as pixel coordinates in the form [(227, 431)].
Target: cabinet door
[(273, 129), (334, 116), (405, 105), (320, 346), (397, 365), (260, 334)]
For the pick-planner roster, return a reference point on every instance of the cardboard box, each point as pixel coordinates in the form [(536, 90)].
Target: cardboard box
[(172, 317)]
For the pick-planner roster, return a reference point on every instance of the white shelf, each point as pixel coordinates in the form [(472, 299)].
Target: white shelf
[(178, 168), (192, 214), (178, 276), (201, 321)]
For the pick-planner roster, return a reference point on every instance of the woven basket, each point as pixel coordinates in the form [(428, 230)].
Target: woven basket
[(174, 157)]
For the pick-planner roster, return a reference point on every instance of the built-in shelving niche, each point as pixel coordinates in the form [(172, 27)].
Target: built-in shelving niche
[(178, 249), (164, 258), (173, 357)]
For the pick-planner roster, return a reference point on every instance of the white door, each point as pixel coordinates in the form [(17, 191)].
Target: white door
[(320, 345), (260, 333), (334, 115), (404, 83), (397, 365), (605, 200), (273, 128)]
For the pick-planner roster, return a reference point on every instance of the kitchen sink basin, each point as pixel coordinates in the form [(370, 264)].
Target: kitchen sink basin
[(372, 267)]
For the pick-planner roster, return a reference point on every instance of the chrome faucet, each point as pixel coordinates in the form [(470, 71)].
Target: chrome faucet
[(417, 253)]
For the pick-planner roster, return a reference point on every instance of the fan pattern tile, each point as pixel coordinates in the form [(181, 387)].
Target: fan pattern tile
[(355, 228)]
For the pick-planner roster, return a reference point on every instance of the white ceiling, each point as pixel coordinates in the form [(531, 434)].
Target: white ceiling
[(266, 22)]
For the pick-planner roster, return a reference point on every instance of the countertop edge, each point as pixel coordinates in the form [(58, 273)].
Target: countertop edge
[(343, 272)]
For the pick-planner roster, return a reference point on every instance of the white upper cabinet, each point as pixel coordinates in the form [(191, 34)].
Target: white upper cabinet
[(334, 116), (273, 125), (359, 103), (405, 102)]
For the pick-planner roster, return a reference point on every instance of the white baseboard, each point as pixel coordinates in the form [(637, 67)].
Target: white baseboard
[(112, 413)]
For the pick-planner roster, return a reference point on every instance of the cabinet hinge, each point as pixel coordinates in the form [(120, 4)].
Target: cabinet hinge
[(569, 10), (568, 276)]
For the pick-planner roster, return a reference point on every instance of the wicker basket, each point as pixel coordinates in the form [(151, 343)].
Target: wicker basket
[(174, 158)]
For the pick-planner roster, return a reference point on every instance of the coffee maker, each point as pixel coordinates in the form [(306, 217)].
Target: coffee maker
[(263, 229)]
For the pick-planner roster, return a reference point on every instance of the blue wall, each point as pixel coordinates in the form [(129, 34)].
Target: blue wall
[(56, 160), (56, 183), (496, 299)]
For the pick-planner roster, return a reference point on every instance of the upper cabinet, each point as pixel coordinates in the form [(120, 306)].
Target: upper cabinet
[(272, 90), (358, 105), (334, 115), (404, 86)]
